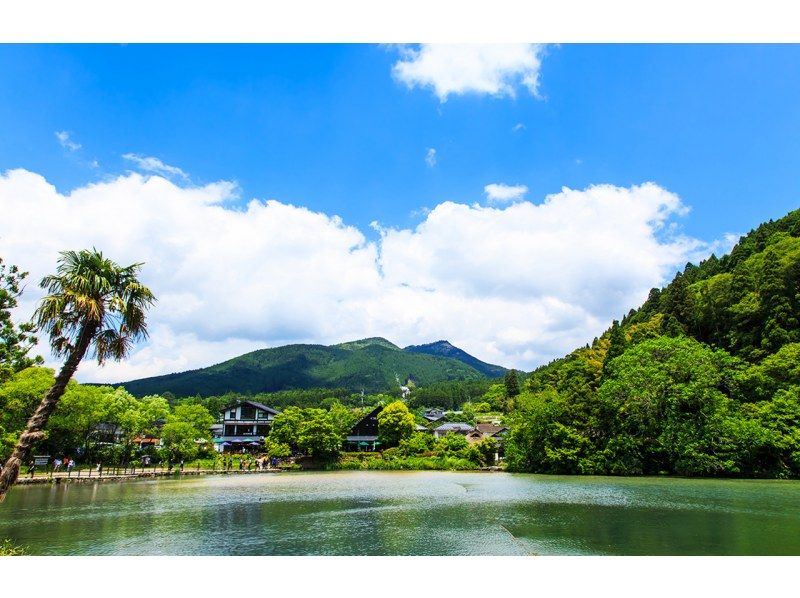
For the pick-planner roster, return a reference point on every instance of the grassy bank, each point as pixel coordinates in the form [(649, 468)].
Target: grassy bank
[(377, 461)]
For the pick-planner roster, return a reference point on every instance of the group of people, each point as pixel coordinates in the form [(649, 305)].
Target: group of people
[(261, 464), (65, 464)]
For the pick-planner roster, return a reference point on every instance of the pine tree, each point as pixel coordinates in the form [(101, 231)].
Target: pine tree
[(512, 383)]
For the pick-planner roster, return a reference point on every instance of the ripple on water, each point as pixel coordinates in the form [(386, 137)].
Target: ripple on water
[(425, 513)]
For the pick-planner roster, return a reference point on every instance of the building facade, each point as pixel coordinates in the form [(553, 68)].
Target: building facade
[(244, 426)]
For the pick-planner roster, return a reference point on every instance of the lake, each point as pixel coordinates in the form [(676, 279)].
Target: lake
[(406, 513)]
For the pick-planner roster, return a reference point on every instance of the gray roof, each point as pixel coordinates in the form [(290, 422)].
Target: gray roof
[(455, 427), (362, 438)]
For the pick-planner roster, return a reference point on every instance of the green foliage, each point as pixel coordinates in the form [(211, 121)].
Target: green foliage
[(370, 365), (701, 380), (15, 340), (317, 436), (286, 427), (417, 443), (274, 448), (395, 422), (178, 438), (451, 444), (8, 548), (512, 383), (90, 294)]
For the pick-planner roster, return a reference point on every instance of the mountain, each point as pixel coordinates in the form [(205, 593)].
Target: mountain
[(445, 349), (703, 379), (372, 364)]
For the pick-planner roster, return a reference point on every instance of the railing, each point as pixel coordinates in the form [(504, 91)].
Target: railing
[(133, 470)]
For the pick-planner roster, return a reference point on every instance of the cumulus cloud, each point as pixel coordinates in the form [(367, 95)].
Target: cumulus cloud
[(518, 127), (515, 285), (430, 157), (155, 166), (67, 143), (493, 69), (499, 192)]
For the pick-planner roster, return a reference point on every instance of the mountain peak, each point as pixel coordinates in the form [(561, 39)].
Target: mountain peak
[(366, 342), (444, 348)]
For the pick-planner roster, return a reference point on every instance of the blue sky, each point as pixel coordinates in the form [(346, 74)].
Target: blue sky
[(329, 128), (342, 130)]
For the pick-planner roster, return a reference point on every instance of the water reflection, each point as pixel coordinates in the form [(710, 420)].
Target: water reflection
[(406, 513)]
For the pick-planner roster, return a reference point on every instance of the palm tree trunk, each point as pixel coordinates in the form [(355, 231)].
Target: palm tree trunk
[(34, 430)]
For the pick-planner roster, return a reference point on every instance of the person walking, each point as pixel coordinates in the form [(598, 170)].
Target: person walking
[(32, 468)]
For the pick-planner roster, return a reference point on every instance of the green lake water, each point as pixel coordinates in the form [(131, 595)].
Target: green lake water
[(406, 513)]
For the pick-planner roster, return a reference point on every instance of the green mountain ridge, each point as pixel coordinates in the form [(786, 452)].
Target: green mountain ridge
[(702, 379), (372, 365), (445, 349)]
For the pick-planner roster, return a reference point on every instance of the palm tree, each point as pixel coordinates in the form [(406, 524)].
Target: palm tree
[(93, 305)]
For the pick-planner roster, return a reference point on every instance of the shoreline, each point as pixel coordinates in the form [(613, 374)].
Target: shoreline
[(127, 477)]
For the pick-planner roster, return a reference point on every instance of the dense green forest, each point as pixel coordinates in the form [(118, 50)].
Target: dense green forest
[(372, 365), (703, 379)]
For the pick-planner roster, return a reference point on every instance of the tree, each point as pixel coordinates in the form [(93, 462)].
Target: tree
[(395, 422), (512, 384), (179, 438), (286, 427), (616, 346), (15, 341), (317, 436), (93, 305)]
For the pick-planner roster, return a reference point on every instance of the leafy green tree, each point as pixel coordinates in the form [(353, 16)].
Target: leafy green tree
[(417, 443), (343, 418), (451, 444), (317, 436), (286, 427), (15, 341), (617, 344), (276, 449), (178, 438), (484, 451), (395, 422), (92, 304), (512, 383), (196, 416)]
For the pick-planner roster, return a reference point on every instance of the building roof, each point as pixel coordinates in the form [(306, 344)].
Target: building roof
[(421, 428), (255, 404), (433, 414), (362, 438), (455, 427), (490, 429)]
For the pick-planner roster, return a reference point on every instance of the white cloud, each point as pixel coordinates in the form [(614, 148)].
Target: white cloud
[(518, 127), (499, 192), (154, 165), (493, 69), (515, 285), (67, 143), (430, 157)]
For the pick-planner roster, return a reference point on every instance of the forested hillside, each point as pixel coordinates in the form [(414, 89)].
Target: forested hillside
[(372, 365), (703, 379)]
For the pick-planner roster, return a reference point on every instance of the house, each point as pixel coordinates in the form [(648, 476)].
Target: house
[(421, 428), (244, 426), (492, 430), (452, 427), (364, 435), (433, 415), (106, 433)]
